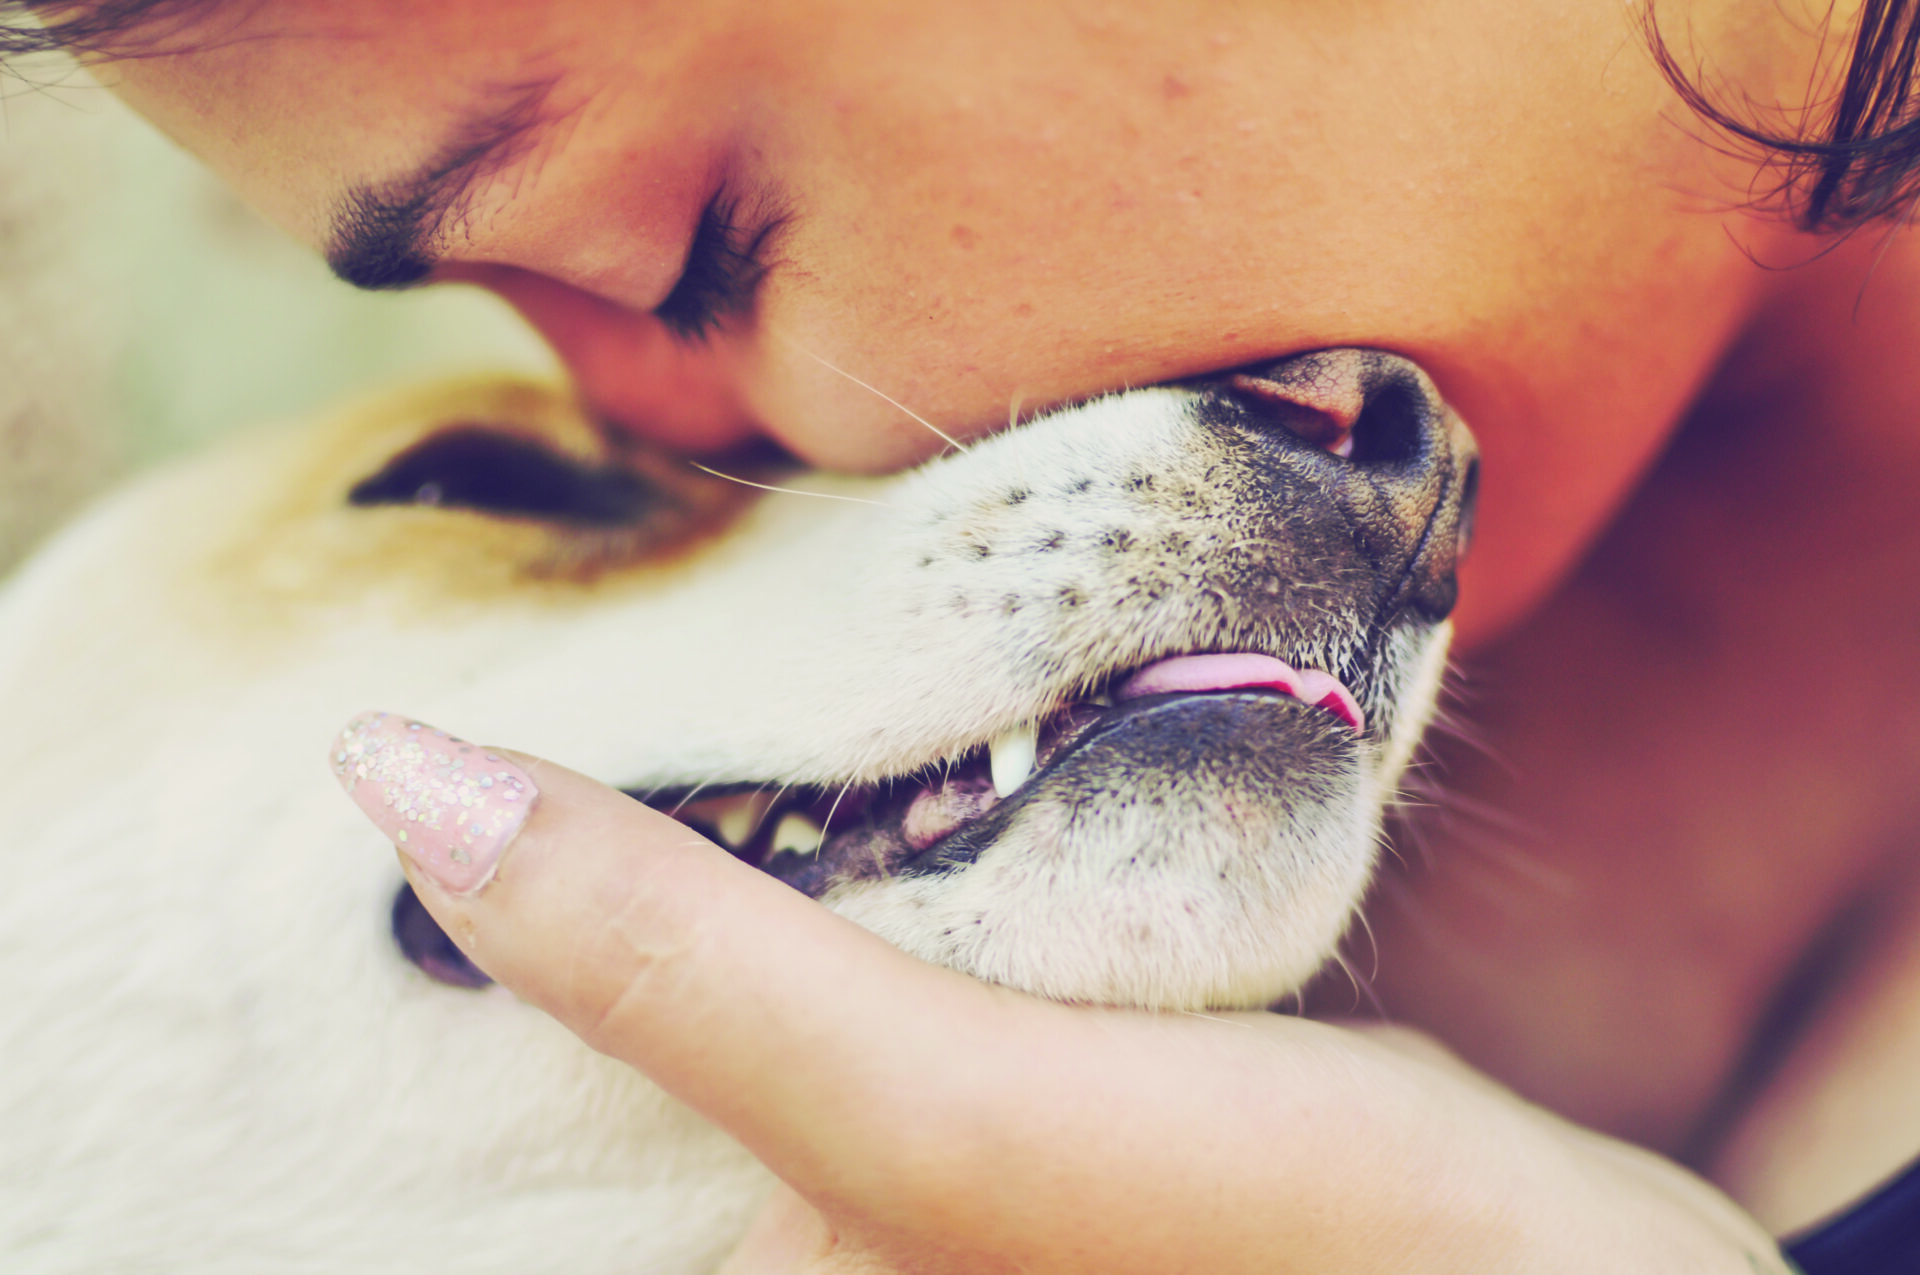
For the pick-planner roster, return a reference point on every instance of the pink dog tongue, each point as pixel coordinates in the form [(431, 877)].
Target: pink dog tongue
[(1244, 669)]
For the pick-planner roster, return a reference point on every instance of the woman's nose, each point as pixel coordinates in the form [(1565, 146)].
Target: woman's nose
[(628, 366)]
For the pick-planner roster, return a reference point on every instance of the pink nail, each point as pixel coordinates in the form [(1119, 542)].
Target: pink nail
[(450, 806)]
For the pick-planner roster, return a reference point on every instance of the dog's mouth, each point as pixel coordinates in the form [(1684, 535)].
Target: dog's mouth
[(813, 836), (934, 819)]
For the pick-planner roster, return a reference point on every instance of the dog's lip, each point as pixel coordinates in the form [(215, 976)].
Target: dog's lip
[(965, 843), (1245, 670), (878, 828), (1152, 691)]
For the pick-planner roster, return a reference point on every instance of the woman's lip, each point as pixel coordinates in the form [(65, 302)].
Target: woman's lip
[(1239, 670)]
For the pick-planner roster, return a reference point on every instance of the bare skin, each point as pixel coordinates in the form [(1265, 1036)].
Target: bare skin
[(1701, 754), (974, 233), (1063, 1140), (1705, 739)]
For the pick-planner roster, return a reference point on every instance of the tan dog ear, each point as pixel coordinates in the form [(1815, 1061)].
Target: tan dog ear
[(466, 490), (491, 469)]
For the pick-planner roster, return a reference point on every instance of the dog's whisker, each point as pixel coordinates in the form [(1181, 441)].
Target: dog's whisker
[(779, 796), (1436, 933), (939, 433), (1488, 845), (1373, 944), (1026, 450), (789, 491), (1489, 849), (1455, 807), (1407, 831), (1448, 723), (1529, 870), (686, 799), (1362, 988), (1205, 1017), (827, 823), (1507, 885)]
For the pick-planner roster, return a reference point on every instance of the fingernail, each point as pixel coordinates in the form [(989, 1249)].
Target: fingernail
[(449, 806)]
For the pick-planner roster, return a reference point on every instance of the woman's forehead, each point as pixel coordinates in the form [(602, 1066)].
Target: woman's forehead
[(1321, 96)]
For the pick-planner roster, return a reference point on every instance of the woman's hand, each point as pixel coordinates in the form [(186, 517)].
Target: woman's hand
[(923, 1121)]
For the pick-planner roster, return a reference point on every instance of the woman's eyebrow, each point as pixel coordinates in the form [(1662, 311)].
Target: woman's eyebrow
[(379, 234)]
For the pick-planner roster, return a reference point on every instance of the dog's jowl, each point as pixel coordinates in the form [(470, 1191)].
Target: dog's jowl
[(1106, 707)]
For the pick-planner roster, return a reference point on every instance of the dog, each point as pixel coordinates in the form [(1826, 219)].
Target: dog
[(1106, 707)]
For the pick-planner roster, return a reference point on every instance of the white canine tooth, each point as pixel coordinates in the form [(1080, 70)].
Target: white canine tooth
[(796, 833), (1010, 758), (740, 818)]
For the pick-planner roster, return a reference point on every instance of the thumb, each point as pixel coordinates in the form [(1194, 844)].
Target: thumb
[(775, 1019)]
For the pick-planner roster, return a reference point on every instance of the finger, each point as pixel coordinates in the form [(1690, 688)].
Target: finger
[(918, 1110), (1408, 1042), (777, 1020)]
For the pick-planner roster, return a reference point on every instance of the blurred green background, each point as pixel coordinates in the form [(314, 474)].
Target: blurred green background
[(144, 311)]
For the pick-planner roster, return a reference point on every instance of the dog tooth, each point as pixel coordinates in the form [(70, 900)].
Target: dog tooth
[(798, 834), (740, 817), (1010, 758)]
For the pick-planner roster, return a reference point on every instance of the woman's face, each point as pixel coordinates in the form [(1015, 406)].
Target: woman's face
[(982, 209)]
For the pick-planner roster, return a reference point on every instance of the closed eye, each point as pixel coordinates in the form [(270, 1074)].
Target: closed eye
[(724, 266)]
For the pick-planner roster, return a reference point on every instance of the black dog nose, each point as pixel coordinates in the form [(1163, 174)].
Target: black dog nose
[(1369, 430)]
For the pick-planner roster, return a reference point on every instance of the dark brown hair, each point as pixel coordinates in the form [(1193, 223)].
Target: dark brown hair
[(1854, 157), (84, 26), (1845, 162)]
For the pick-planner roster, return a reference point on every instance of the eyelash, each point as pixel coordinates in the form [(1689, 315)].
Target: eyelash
[(723, 270)]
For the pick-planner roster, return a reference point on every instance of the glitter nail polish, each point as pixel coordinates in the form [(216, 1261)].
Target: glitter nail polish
[(450, 806)]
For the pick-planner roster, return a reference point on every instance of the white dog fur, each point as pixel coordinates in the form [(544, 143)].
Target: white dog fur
[(215, 1059)]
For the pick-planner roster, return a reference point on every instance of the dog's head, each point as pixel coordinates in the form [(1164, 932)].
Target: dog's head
[(1106, 708)]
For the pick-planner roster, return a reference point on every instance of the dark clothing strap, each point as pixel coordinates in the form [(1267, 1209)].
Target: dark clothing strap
[(1878, 1236)]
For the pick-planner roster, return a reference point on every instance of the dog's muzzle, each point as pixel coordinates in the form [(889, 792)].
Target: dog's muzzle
[(1269, 615)]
